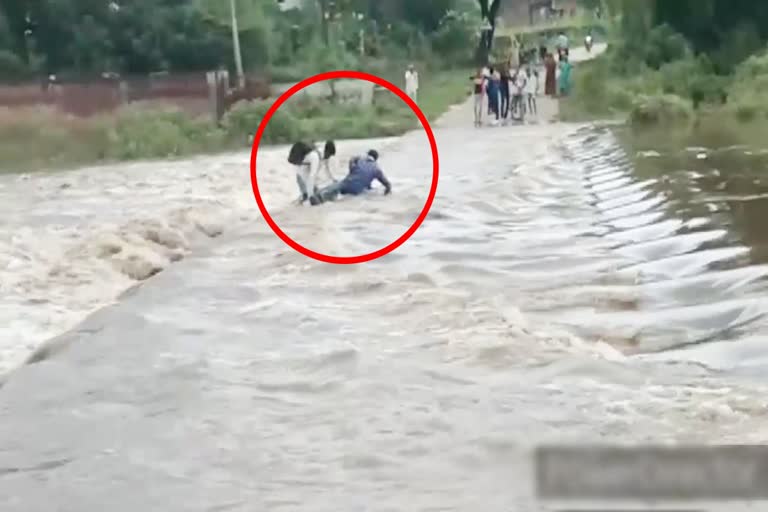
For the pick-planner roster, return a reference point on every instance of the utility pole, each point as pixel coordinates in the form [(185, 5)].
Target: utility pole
[(530, 12), (236, 45), (361, 17), (324, 15)]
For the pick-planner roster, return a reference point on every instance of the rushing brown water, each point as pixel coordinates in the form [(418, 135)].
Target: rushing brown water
[(685, 223), (560, 275)]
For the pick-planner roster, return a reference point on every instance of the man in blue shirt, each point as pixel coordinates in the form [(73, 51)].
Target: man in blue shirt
[(362, 172)]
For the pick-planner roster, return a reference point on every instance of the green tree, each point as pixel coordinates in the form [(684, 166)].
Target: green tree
[(489, 11), (727, 30)]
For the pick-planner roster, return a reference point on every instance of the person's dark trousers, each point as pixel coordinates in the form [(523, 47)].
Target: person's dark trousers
[(494, 101), (504, 102), (331, 192)]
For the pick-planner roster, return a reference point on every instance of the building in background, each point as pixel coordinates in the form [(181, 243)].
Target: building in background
[(565, 7), (287, 5), (514, 13)]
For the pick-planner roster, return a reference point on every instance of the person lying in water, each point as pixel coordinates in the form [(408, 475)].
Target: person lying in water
[(362, 172), (307, 161)]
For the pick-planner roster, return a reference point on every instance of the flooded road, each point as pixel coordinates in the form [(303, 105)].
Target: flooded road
[(538, 303)]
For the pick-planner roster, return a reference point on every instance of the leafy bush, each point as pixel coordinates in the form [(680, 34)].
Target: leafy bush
[(11, 66), (748, 108), (664, 45), (754, 67), (694, 79), (647, 49), (665, 108), (597, 91), (145, 133), (738, 44), (288, 74), (748, 98), (242, 121), (450, 39), (137, 131), (44, 137)]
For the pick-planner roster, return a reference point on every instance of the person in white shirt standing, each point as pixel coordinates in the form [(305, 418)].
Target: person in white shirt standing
[(521, 80), (531, 90), (562, 46), (412, 82), (308, 160)]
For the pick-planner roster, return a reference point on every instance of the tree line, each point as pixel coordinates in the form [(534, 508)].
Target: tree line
[(724, 31), (81, 37)]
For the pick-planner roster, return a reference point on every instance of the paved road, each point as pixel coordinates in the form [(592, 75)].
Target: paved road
[(548, 108)]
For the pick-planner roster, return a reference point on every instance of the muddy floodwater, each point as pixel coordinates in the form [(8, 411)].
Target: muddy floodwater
[(571, 283)]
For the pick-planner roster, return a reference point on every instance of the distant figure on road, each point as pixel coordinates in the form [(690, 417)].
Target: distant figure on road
[(504, 90), (565, 77), (521, 82), (308, 160), (550, 83), (562, 46), (362, 172), (412, 82), (494, 95), (478, 89), (514, 57), (588, 43), (531, 90)]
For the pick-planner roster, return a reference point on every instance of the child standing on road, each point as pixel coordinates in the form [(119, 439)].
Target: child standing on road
[(531, 90), (521, 81), (496, 81), (308, 160), (505, 93), (478, 89), (492, 90), (412, 83), (564, 80)]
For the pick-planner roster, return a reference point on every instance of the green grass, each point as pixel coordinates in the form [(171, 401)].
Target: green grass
[(43, 138), (441, 90), (680, 91), (599, 94), (315, 118)]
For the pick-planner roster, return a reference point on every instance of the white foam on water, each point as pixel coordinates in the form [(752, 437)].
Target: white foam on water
[(71, 242)]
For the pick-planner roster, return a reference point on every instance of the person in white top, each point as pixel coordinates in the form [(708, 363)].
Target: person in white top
[(532, 89), (514, 56), (521, 81), (308, 160), (412, 82)]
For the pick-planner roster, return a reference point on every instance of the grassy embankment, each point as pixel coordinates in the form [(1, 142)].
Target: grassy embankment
[(679, 93), (42, 138)]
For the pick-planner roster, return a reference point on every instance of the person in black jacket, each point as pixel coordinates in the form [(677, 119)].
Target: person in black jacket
[(308, 160), (504, 90), (363, 171)]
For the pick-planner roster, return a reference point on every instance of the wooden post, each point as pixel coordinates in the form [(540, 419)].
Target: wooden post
[(236, 45), (222, 79), (366, 94), (210, 78), (217, 92), (324, 15), (122, 88)]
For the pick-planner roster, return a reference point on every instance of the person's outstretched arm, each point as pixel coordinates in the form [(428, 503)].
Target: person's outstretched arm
[(302, 183), (384, 181), (314, 168), (327, 166)]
